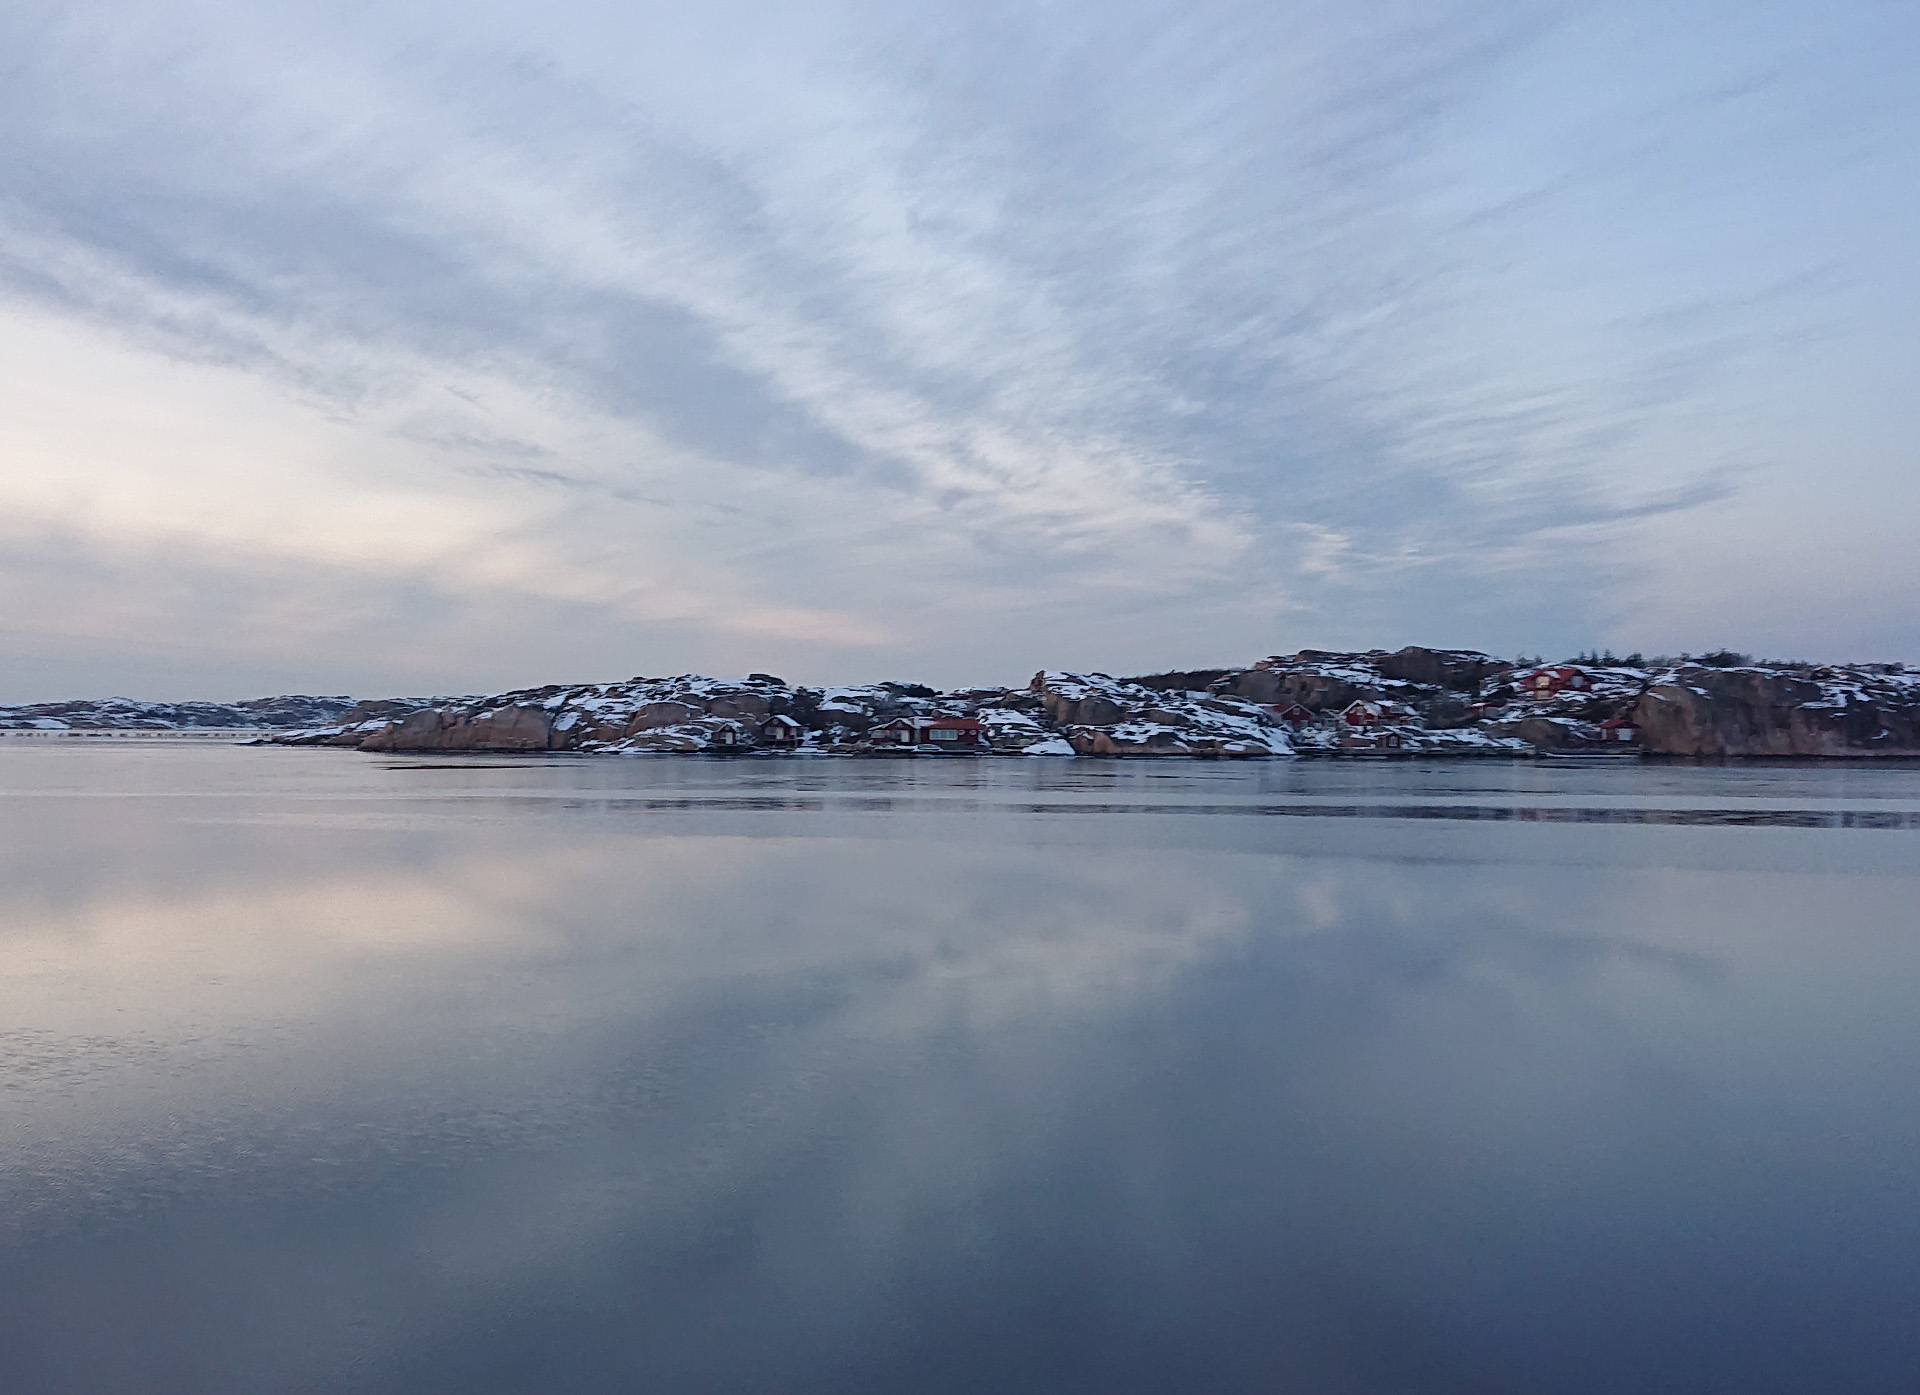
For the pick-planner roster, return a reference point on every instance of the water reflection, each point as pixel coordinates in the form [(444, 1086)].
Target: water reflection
[(326, 1073)]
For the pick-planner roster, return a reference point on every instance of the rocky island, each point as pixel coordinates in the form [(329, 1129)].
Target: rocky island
[(1411, 701)]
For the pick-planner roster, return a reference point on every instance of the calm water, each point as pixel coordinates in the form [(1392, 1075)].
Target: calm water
[(326, 1072)]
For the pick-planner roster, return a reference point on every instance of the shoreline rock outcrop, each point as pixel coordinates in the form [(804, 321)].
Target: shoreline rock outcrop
[(1750, 711), (1101, 716)]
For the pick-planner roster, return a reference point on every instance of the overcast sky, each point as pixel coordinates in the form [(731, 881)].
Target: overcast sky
[(417, 346)]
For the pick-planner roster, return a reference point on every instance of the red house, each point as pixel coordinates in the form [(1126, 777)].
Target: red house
[(1293, 714), (1620, 729), (780, 730), (1543, 683), (1377, 712), (951, 733)]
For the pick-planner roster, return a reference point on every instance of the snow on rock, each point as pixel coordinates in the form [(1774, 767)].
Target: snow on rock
[(1102, 716), (686, 713), (1008, 729), (1052, 746)]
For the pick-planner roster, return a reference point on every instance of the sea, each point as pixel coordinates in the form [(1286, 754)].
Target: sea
[(322, 1071)]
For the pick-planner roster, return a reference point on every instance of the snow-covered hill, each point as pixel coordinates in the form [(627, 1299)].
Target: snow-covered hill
[(127, 714)]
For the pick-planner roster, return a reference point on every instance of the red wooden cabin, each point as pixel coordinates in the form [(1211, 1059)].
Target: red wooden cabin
[(1542, 683), (948, 732), (1362, 714)]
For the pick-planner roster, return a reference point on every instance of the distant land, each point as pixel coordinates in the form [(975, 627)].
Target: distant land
[(1411, 701)]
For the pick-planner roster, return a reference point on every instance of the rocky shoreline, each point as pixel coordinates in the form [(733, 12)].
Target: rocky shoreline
[(1409, 702), (130, 714)]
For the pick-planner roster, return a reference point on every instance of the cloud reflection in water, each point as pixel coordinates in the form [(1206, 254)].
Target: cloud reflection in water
[(432, 1085)]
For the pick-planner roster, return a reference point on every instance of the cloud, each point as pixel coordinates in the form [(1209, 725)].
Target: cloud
[(1026, 322)]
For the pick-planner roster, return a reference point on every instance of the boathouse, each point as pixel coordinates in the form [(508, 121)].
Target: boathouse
[(1618, 729)]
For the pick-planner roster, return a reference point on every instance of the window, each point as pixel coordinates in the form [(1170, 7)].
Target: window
[(944, 734)]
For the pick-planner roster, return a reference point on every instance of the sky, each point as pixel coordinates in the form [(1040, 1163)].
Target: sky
[(416, 347)]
